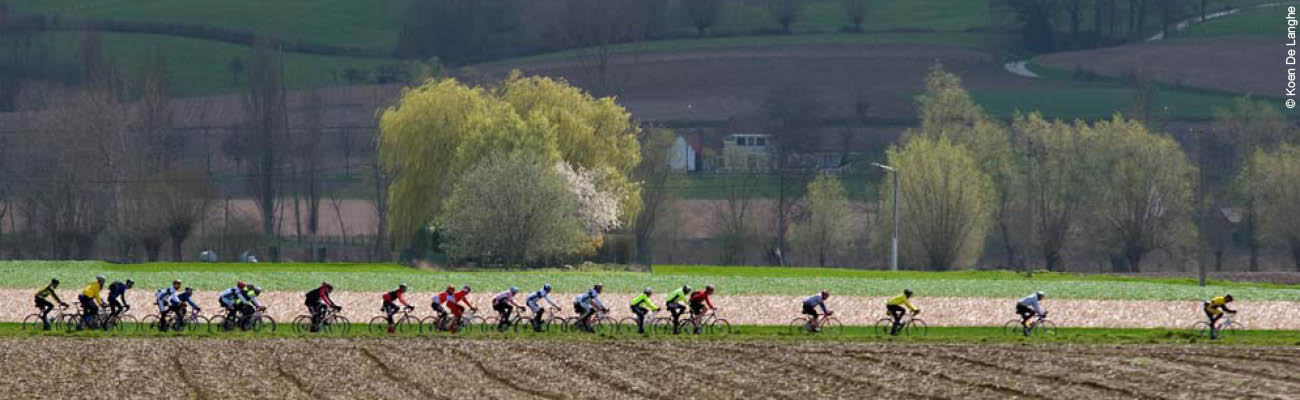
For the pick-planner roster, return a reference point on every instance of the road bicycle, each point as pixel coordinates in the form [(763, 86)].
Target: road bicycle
[(33, 321), (256, 322), (664, 324), (628, 324), (103, 320), (1226, 327), (525, 322), (598, 323), (403, 322), (908, 326), (493, 323), (1040, 326), (708, 323), (469, 321), (826, 324), (331, 322), (191, 321)]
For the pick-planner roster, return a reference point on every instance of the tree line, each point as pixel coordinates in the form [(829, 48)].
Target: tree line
[(1053, 25)]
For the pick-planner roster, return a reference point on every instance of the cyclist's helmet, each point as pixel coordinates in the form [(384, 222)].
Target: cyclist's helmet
[(599, 287), (100, 278), (451, 289), (129, 283), (546, 288), (257, 291), (326, 285), (708, 288), (1227, 297), (176, 282), (240, 284), (907, 292), (825, 294), (514, 290), (402, 287), (647, 290), (189, 290), (54, 282), (1039, 294), (465, 288), (686, 288)]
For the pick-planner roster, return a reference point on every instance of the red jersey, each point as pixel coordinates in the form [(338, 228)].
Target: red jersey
[(459, 297), (395, 295), (441, 298), (701, 296)]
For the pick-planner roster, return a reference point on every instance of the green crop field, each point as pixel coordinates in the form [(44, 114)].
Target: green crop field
[(729, 280), (1098, 101), (1266, 21)]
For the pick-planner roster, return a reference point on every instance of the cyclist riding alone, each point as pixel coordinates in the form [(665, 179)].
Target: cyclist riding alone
[(894, 306), (90, 301), (317, 301), (810, 305), (389, 308), (117, 297), (457, 310), (169, 302), (1028, 308), (698, 301), (586, 305), (676, 304), (538, 311), (640, 306), (44, 305), (1214, 309), (504, 304)]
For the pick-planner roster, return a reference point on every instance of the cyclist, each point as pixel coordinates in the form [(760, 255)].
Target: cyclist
[(1214, 309), (640, 306), (234, 299), (456, 309), (697, 303), (895, 308), (317, 301), (389, 308), (1028, 308), (249, 306), (504, 304), (587, 304), (187, 300), (810, 305), (438, 301), (90, 301), (117, 297), (675, 303), (168, 303), (44, 305), (538, 311)]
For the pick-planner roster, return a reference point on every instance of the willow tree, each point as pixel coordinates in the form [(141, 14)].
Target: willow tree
[(1144, 188), (946, 204), (947, 111), (1241, 130), (826, 232), (438, 130), (1056, 187), (1277, 184)]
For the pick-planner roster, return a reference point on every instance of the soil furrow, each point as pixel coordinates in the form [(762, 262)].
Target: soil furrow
[(391, 374), (499, 378), (811, 366), (194, 389), (716, 379), (1005, 390), (1060, 379), (295, 380), (1255, 373), (618, 383)]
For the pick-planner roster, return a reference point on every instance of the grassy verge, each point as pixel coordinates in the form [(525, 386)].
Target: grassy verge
[(936, 335), (729, 280)]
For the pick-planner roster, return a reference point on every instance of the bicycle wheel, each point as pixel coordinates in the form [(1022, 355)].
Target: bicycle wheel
[(149, 322), (1231, 328), (301, 324), (69, 322), (719, 326), (377, 325), (797, 326), (218, 324), (918, 327), (32, 322), (883, 326), (1012, 328), (339, 325), (1199, 329), (625, 325), (122, 321), (1044, 327), (264, 322), (832, 326)]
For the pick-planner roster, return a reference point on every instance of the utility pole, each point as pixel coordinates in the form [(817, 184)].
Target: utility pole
[(893, 254)]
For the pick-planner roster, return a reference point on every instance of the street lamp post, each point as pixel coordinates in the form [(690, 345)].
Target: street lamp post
[(893, 254)]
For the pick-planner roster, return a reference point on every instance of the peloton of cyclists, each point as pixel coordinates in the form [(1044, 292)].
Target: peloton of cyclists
[(894, 306), (1214, 309), (538, 311), (586, 305), (44, 305)]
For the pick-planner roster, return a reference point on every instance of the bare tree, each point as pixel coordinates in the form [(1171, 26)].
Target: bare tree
[(596, 29), (704, 14), (732, 215), (784, 12), (265, 103), (793, 111), (308, 150), (856, 10), (655, 175)]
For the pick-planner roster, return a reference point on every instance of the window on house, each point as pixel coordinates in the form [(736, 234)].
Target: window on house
[(761, 141), (740, 141)]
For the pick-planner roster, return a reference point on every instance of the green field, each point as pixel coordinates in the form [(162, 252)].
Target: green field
[(1098, 101), (199, 67), (1267, 21), (729, 280), (950, 335)]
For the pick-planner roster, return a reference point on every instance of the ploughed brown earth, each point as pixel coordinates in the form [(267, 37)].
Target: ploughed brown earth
[(779, 310), (470, 369), (1243, 65)]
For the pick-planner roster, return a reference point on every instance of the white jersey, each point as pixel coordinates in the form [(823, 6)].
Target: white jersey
[(1031, 302)]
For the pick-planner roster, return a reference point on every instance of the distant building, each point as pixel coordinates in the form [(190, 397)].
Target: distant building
[(685, 153), (747, 152)]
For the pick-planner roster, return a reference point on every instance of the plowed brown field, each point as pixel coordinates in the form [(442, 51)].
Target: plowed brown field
[(450, 368)]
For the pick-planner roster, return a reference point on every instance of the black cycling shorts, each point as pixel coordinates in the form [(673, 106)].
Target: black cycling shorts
[(1025, 311), (810, 310)]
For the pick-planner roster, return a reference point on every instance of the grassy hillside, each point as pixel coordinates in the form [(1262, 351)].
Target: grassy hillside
[(729, 280), (1267, 22), (1097, 101)]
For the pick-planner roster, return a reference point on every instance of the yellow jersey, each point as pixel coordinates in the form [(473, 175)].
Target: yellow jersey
[(92, 291), (900, 300)]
